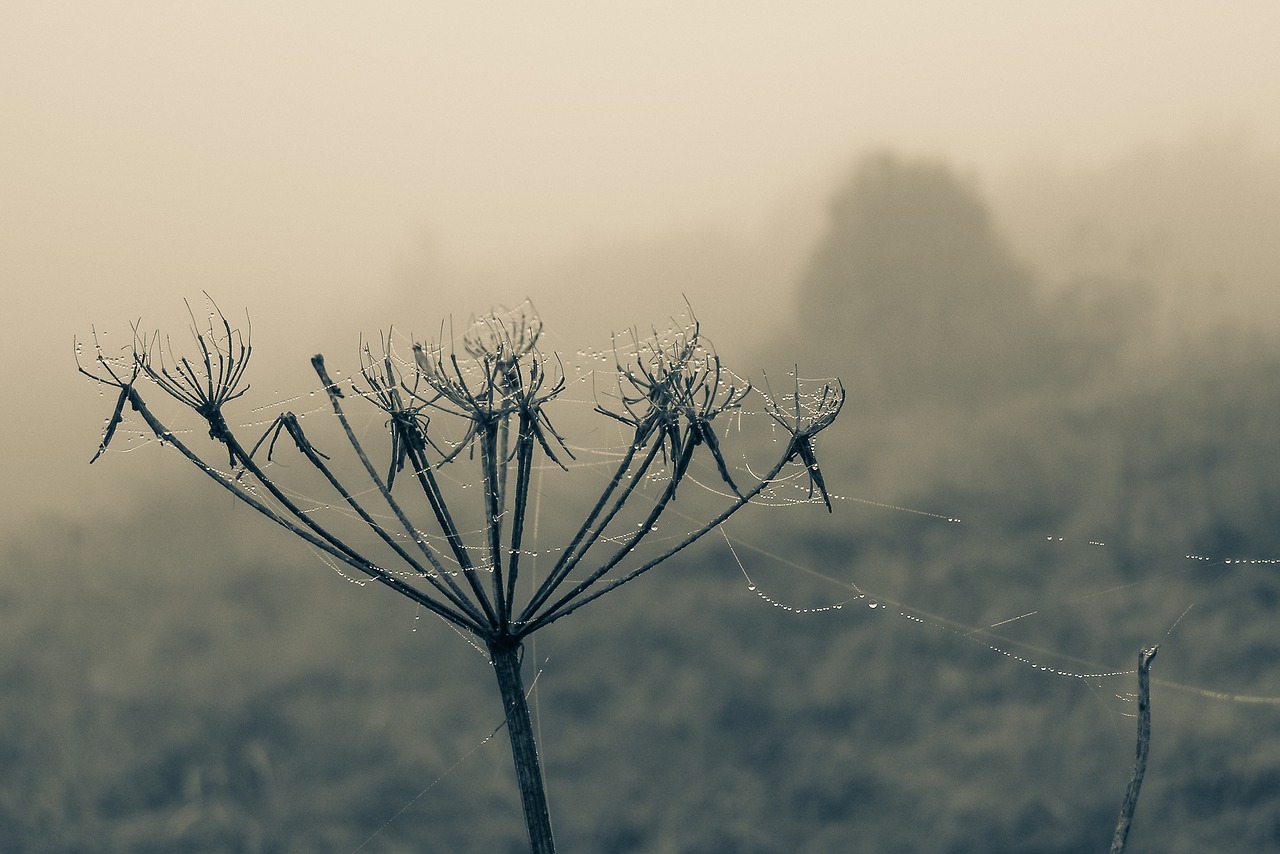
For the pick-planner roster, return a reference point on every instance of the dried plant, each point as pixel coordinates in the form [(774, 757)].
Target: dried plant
[(670, 391)]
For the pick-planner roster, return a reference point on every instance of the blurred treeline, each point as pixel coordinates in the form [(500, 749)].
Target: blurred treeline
[(182, 678)]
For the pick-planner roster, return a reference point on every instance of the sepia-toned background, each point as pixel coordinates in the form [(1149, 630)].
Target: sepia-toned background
[(1039, 242)]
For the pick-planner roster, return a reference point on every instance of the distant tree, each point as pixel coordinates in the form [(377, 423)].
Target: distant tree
[(915, 294)]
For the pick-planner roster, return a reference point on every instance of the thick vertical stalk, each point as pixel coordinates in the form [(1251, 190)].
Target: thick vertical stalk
[(524, 749)]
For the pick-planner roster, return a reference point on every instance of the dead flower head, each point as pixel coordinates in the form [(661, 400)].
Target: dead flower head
[(804, 417)]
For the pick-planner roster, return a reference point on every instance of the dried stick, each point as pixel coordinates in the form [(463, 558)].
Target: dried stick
[(1144, 745)]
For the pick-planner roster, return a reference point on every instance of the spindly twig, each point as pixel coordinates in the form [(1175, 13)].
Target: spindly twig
[(1121, 836)]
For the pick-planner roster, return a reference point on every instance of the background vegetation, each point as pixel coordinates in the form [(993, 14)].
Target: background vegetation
[(181, 678)]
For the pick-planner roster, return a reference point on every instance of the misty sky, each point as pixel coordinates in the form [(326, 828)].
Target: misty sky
[(316, 161)]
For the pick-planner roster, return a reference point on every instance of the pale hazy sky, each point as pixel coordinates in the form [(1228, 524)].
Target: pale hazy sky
[(286, 155)]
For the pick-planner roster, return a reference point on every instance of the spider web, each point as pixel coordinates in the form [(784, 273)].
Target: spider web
[(1040, 634), (596, 443)]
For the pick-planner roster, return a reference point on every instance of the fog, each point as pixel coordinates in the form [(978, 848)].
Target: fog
[(1037, 241), (332, 168)]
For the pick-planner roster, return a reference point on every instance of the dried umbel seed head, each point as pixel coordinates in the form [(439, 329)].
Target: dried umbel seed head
[(501, 377), (503, 336), (110, 372), (671, 388), (403, 402), (807, 413), (675, 384), (205, 382), (804, 416), (501, 373), (670, 376)]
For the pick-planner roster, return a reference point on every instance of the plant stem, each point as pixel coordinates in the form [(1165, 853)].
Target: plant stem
[(524, 750), (1144, 745)]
